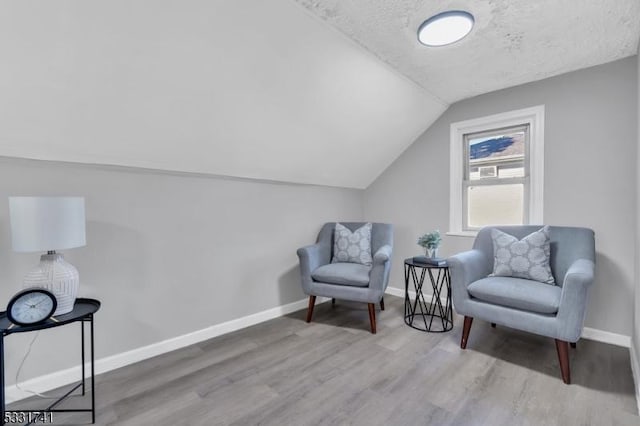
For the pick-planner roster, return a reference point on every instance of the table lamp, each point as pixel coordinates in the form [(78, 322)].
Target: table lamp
[(48, 224)]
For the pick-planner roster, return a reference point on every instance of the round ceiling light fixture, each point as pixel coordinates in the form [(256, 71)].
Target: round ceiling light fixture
[(445, 28)]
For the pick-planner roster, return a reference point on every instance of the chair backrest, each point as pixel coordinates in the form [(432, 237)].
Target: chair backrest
[(381, 234), (568, 244)]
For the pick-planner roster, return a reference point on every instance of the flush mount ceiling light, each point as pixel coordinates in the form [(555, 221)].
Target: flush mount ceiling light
[(445, 28)]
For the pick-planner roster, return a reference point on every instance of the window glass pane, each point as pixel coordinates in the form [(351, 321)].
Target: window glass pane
[(495, 205), (500, 155)]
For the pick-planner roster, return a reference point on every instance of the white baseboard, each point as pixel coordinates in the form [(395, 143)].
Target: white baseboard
[(64, 377), (635, 369), (587, 332), (394, 291), (606, 337)]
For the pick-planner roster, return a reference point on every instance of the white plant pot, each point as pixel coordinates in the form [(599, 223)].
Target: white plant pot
[(432, 252)]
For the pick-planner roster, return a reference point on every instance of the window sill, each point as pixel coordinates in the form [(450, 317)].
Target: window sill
[(471, 234)]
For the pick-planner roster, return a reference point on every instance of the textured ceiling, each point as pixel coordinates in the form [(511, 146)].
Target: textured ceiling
[(513, 41)]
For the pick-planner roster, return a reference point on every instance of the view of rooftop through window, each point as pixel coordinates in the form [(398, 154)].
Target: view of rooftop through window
[(495, 169)]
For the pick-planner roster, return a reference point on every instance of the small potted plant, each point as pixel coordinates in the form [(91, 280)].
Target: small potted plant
[(430, 241)]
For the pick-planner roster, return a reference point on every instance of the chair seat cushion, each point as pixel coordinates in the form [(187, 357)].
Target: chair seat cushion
[(352, 274), (517, 293)]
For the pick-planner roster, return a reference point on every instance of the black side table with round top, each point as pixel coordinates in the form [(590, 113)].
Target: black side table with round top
[(82, 312), (432, 316)]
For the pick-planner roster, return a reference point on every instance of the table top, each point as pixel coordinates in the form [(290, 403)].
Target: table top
[(83, 308), (412, 262)]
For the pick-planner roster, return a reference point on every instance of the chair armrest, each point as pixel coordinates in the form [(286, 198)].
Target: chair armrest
[(580, 272), (467, 267), (574, 298), (380, 270), (311, 257), (382, 255)]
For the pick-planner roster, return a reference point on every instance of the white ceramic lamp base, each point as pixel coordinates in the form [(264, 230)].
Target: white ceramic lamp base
[(61, 278)]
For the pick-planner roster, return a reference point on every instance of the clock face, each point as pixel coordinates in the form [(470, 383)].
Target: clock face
[(31, 306)]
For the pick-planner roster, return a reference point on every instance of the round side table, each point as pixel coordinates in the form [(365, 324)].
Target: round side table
[(417, 312)]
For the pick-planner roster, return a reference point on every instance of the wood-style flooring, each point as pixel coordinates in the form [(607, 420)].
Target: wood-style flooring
[(335, 372)]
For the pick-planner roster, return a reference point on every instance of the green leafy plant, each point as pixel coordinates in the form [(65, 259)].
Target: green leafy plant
[(430, 240)]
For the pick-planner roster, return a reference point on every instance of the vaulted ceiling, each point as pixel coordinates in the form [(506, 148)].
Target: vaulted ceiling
[(323, 92)]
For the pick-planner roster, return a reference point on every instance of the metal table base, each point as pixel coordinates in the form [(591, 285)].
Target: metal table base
[(430, 316)]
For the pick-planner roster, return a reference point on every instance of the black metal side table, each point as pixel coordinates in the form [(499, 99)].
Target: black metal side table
[(440, 282), (82, 312)]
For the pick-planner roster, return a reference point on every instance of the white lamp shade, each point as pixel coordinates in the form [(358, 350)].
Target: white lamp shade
[(47, 223)]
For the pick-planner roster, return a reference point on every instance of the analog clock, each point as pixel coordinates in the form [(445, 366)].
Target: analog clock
[(31, 306)]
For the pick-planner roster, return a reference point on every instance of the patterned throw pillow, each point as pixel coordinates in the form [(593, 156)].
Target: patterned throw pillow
[(526, 258), (352, 247)]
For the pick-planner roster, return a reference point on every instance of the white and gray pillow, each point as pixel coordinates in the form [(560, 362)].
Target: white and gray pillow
[(526, 258), (352, 247)]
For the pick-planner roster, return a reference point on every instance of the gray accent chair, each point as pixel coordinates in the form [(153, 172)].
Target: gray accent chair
[(347, 281), (555, 311)]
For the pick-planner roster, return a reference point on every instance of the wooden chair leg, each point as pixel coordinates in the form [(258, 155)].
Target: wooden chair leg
[(573, 345), (466, 327), (563, 356), (372, 317), (312, 303), (493, 325), (382, 304)]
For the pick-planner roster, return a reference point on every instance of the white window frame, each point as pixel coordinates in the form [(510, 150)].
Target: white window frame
[(534, 117)]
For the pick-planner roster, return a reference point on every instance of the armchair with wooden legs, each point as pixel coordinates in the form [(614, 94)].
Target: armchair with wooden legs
[(556, 311), (347, 281)]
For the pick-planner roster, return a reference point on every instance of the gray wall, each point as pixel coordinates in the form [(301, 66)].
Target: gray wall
[(590, 177), (636, 335), (167, 254)]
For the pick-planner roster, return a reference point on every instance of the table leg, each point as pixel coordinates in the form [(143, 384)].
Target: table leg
[(410, 308), (425, 308), (449, 301), (419, 300), (437, 284), (2, 396), (82, 350), (93, 376), (407, 303)]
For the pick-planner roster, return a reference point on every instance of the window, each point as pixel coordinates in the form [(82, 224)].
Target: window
[(495, 178), (497, 171)]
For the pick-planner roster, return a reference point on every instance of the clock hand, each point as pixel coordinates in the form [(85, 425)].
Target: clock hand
[(34, 305), (43, 299)]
